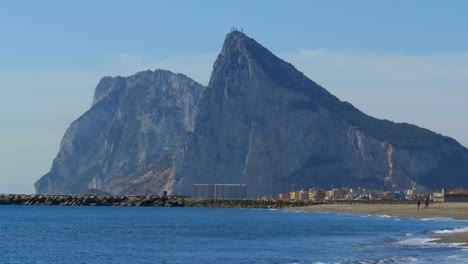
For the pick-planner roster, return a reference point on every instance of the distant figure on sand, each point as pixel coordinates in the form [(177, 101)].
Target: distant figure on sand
[(427, 203), (419, 203)]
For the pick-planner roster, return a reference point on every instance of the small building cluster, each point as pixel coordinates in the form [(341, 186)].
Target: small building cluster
[(239, 191), (219, 191), (449, 196), (355, 194)]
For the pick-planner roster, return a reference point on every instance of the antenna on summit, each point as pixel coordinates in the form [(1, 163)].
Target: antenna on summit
[(234, 29)]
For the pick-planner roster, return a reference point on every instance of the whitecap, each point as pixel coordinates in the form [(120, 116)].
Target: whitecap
[(451, 231), (384, 216), (418, 241), (439, 219), (408, 259), (428, 242), (388, 260)]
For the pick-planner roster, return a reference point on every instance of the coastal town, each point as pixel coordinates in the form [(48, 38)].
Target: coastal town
[(362, 194), (239, 191)]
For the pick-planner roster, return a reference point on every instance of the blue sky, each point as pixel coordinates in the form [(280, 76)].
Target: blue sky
[(405, 61)]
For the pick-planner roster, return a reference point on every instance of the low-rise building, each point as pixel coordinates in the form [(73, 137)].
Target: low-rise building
[(438, 197), (330, 195), (316, 195), (283, 196), (302, 195), (456, 195)]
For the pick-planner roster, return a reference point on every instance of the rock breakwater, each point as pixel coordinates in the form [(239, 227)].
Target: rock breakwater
[(156, 201)]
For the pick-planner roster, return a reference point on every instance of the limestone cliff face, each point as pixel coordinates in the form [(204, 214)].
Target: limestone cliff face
[(262, 123), (259, 122), (133, 123)]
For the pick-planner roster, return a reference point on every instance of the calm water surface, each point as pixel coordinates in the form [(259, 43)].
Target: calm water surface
[(48, 234)]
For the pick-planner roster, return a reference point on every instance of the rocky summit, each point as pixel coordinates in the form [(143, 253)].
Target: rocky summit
[(260, 122)]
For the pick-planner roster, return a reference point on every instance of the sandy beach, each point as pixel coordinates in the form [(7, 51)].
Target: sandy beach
[(449, 210)]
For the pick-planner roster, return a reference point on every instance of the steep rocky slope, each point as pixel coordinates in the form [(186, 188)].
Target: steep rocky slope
[(134, 122), (259, 122), (263, 123)]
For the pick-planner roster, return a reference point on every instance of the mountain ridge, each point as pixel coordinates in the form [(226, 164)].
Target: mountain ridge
[(263, 123)]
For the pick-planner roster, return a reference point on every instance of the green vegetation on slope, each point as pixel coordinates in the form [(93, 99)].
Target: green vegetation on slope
[(398, 134)]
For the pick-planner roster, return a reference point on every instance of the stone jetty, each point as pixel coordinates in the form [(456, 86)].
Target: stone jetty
[(157, 201)]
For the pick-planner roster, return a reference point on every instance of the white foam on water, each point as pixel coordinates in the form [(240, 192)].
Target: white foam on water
[(451, 231), (383, 216), (439, 219), (457, 258), (418, 241), (408, 259), (299, 212), (389, 260), (376, 216), (428, 242)]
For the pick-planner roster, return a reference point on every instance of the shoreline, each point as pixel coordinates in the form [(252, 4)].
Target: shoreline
[(458, 211)]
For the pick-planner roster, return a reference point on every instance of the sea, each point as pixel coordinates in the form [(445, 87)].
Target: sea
[(57, 234)]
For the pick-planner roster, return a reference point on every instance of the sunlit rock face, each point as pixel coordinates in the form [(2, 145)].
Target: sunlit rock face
[(133, 123)]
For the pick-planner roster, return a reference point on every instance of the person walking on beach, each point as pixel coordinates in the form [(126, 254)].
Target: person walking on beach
[(419, 203), (427, 203)]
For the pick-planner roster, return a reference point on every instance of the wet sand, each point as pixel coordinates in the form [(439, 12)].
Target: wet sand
[(448, 210)]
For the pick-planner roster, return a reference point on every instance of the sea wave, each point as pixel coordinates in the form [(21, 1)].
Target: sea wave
[(439, 219), (428, 242), (377, 261), (389, 260), (375, 215), (418, 241), (384, 216), (451, 231)]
